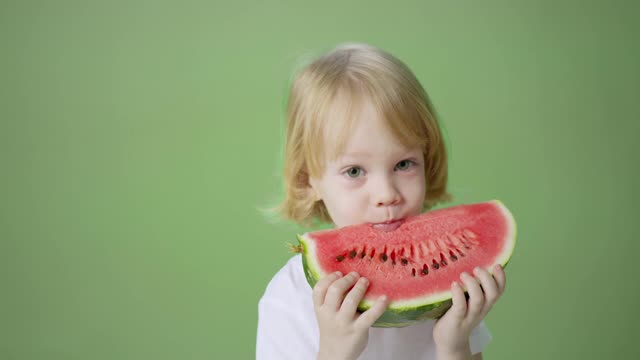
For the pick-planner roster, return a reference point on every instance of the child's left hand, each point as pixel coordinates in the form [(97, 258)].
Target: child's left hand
[(451, 332)]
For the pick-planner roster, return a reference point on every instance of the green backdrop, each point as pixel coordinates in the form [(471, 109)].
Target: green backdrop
[(139, 138)]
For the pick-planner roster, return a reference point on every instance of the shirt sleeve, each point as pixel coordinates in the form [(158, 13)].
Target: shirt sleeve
[(287, 327), (480, 338)]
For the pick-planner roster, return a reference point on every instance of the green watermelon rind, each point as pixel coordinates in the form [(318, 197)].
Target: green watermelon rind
[(398, 314)]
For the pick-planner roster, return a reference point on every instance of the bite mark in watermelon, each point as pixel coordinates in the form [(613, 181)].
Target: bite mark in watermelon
[(415, 264)]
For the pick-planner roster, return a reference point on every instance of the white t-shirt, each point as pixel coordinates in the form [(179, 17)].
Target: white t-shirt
[(288, 328)]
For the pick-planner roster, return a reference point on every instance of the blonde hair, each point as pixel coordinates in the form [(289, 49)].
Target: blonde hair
[(329, 91)]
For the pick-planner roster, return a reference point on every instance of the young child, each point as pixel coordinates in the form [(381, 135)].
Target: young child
[(363, 145)]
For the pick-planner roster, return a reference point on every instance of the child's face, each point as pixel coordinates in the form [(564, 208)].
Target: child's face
[(375, 180)]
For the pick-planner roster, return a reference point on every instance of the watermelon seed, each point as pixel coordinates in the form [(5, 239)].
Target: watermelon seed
[(453, 256), (413, 272), (362, 255), (383, 257), (463, 240), (404, 261), (443, 261), (340, 258), (352, 254), (436, 265), (425, 269)]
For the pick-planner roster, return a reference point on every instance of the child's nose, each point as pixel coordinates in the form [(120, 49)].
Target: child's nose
[(385, 193)]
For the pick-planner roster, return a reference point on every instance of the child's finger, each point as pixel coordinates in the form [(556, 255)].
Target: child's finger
[(366, 319), (476, 296), (320, 289), (459, 307), (501, 278), (353, 298), (335, 293), (489, 285)]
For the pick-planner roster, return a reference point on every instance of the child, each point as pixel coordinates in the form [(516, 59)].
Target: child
[(363, 145)]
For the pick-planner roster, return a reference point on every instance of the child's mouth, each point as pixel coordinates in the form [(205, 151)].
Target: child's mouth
[(388, 226)]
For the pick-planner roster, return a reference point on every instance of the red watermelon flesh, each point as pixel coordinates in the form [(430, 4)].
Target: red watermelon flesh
[(415, 264)]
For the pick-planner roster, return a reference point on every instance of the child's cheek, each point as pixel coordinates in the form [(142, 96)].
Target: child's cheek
[(350, 184), (416, 171), (416, 175)]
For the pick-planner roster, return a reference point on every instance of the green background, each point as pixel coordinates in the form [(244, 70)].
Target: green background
[(138, 139)]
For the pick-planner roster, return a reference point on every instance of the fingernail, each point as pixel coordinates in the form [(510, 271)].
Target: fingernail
[(338, 273), (465, 274), (455, 284), (354, 274), (364, 281), (476, 270), (383, 298)]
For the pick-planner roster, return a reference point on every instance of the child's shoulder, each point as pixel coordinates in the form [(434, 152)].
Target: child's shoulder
[(289, 280)]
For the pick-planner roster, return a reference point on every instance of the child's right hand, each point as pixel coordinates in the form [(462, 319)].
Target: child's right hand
[(343, 332)]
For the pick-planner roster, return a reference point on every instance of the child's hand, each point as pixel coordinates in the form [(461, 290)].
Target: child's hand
[(451, 332), (343, 332)]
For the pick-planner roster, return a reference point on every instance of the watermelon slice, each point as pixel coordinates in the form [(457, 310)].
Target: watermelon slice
[(415, 264)]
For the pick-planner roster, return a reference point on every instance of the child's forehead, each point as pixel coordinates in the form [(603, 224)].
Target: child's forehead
[(342, 142), (350, 112), (369, 150), (343, 122)]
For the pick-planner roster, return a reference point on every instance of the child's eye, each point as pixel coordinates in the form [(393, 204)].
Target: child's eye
[(353, 172), (405, 164)]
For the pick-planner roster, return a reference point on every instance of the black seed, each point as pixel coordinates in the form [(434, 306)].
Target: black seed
[(352, 254), (425, 271), (404, 261), (413, 272), (383, 257), (453, 257), (436, 265), (444, 262), (362, 255), (340, 258)]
